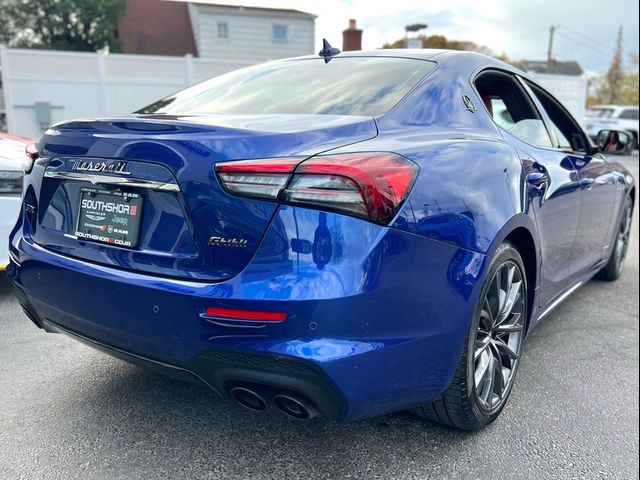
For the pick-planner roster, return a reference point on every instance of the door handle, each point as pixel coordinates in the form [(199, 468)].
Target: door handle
[(586, 183), (537, 179)]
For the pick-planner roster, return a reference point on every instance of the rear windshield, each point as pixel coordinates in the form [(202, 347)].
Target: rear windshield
[(344, 86)]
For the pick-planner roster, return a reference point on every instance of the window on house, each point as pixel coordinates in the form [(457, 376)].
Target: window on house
[(223, 30), (280, 32)]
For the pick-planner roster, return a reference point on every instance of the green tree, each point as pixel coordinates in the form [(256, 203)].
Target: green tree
[(84, 25)]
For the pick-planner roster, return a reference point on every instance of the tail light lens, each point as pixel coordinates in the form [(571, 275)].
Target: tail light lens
[(31, 153), (365, 185), (257, 178)]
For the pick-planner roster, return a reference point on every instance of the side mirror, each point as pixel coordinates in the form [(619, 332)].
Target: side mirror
[(612, 141)]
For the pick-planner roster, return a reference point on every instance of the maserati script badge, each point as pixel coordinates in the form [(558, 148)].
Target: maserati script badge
[(100, 167)]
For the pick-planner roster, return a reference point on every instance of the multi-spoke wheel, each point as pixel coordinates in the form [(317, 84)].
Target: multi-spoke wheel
[(613, 268), (489, 362), (499, 336)]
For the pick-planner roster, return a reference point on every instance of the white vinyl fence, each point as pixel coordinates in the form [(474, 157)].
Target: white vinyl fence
[(42, 87)]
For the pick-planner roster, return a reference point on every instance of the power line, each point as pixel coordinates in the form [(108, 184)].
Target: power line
[(598, 43), (600, 49), (530, 32), (589, 44)]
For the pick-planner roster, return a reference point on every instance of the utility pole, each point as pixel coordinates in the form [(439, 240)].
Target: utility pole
[(552, 32)]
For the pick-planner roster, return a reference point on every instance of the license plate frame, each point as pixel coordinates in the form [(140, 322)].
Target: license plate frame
[(110, 217)]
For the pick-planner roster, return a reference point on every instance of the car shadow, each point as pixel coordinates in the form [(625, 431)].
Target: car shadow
[(130, 407)]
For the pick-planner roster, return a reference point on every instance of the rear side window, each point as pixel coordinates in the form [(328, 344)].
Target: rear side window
[(567, 131), (511, 109), (629, 114), (343, 86)]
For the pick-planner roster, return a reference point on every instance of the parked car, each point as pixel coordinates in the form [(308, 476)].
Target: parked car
[(347, 234), (12, 158), (619, 117)]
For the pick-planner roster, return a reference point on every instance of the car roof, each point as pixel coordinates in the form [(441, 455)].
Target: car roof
[(416, 53), (420, 53), (463, 58)]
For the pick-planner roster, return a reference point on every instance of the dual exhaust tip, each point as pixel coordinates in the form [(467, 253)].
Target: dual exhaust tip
[(258, 399)]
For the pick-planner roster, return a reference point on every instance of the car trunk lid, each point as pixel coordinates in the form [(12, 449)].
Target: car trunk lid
[(160, 168)]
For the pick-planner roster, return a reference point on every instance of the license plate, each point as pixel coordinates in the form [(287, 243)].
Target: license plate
[(109, 217)]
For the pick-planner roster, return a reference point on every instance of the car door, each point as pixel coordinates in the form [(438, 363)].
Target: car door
[(598, 181), (551, 177)]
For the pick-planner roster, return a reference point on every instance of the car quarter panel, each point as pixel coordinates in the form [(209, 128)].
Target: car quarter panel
[(470, 184)]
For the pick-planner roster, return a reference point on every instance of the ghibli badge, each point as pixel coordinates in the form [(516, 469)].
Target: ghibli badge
[(228, 242)]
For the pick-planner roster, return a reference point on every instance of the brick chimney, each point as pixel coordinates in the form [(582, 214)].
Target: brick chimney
[(351, 37)]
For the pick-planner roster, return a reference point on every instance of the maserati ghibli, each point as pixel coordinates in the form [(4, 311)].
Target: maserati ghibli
[(348, 234)]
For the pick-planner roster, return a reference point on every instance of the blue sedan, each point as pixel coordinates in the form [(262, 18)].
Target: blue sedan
[(345, 234)]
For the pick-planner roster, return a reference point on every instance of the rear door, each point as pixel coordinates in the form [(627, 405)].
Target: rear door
[(551, 178), (597, 179)]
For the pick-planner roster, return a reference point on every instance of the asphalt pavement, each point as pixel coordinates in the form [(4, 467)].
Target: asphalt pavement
[(69, 412)]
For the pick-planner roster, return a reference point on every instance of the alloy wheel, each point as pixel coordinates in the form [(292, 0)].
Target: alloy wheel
[(499, 336), (622, 240)]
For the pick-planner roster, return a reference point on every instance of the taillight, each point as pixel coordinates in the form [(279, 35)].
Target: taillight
[(31, 153), (369, 185), (257, 178)]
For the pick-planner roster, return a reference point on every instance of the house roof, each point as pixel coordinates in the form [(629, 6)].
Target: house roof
[(555, 67), (214, 3)]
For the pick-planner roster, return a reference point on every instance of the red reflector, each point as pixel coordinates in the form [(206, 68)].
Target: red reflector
[(245, 314)]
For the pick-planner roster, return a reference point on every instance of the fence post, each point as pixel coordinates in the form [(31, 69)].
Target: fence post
[(189, 69), (101, 57), (6, 87)]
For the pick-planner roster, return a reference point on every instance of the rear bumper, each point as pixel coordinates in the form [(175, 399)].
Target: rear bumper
[(363, 336)]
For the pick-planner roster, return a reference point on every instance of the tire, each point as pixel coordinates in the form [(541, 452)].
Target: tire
[(613, 269), (465, 404)]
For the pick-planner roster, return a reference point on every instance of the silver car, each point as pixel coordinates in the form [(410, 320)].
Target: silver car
[(12, 158), (612, 117)]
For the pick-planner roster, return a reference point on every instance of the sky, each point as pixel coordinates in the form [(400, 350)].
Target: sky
[(586, 30)]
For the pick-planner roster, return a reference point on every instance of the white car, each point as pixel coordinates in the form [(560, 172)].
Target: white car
[(616, 117), (12, 159)]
